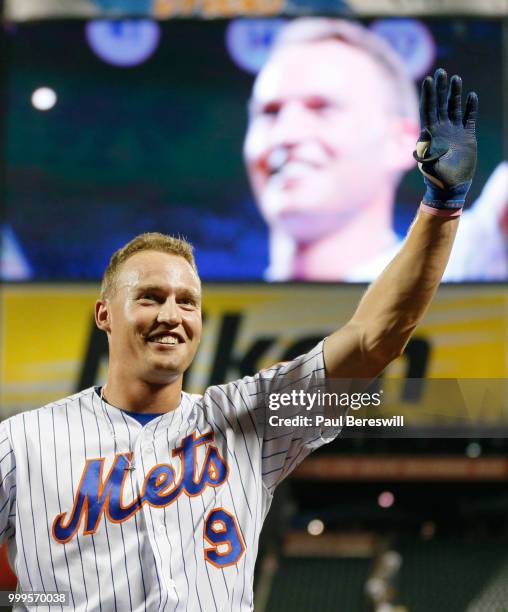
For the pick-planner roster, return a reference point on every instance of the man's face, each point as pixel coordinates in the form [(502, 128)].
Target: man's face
[(318, 143), (154, 317)]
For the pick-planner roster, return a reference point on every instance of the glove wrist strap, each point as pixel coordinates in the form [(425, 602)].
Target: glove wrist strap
[(452, 198)]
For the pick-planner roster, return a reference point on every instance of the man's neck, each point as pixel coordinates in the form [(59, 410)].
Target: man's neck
[(335, 255), (141, 396)]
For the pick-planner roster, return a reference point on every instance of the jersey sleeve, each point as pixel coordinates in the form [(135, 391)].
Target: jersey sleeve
[(284, 446), (7, 482)]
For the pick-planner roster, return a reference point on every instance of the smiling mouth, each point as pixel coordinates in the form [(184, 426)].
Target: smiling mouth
[(293, 169), (165, 339), (295, 163)]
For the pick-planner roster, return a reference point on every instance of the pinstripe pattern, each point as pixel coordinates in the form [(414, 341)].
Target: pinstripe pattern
[(155, 559)]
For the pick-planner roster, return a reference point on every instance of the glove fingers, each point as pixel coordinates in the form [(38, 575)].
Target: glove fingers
[(471, 111), (455, 100), (427, 103), (441, 81)]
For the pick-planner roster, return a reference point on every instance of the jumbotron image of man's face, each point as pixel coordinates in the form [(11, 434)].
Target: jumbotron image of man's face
[(321, 144)]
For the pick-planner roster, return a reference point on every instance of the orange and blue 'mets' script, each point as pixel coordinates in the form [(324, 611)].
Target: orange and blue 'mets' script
[(97, 495)]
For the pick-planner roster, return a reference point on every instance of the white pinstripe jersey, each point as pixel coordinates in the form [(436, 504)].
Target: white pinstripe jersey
[(179, 531)]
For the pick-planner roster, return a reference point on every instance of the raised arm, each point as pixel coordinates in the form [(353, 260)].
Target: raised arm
[(394, 304)]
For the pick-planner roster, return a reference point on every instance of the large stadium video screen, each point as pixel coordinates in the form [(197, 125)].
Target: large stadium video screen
[(293, 164)]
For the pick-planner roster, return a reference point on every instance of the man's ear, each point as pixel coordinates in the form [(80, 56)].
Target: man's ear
[(404, 134), (102, 319)]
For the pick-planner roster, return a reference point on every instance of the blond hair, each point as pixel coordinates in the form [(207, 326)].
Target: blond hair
[(150, 241), (318, 29)]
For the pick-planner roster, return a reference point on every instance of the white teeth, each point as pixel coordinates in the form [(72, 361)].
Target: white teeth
[(312, 153), (295, 168), (306, 155), (165, 340), (277, 159)]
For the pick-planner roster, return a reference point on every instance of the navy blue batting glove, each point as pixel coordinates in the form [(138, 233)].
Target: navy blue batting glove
[(446, 148)]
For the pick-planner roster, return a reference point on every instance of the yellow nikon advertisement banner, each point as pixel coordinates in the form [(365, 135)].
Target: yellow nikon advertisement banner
[(50, 346)]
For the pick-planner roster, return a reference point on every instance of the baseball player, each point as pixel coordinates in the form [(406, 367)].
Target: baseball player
[(305, 151), (139, 496)]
